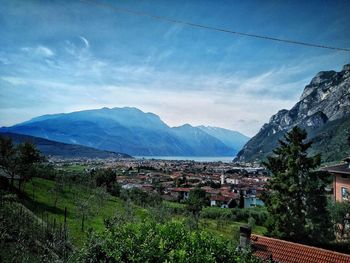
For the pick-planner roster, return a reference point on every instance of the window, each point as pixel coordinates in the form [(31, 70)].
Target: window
[(344, 194)]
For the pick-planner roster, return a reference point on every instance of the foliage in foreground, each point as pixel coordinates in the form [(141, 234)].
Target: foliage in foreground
[(158, 242)]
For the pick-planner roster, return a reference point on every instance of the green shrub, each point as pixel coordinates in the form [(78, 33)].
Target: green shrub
[(155, 242), (236, 214), (141, 197)]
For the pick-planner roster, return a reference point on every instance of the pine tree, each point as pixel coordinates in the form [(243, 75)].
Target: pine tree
[(296, 199)]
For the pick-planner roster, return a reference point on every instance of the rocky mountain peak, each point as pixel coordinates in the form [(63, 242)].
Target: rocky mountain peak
[(346, 67), (278, 116), (325, 100), (322, 77)]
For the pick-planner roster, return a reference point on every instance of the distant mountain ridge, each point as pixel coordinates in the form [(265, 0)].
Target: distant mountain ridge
[(323, 110), (228, 137), (132, 131), (63, 150)]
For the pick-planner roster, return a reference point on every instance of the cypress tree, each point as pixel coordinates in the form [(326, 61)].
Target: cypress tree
[(296, 200)]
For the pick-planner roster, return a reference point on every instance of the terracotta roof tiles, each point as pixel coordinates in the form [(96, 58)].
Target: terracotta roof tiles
[(288, 252)]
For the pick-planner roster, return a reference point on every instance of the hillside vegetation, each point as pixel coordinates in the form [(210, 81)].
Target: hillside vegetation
[(40, 199)]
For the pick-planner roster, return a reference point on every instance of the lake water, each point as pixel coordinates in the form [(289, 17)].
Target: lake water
[(224, 159)]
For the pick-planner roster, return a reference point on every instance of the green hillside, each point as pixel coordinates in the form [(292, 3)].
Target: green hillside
[(40, 200), (63, 150), (330, 140)]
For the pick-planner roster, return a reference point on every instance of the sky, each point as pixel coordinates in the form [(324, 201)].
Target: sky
[(63, 56)]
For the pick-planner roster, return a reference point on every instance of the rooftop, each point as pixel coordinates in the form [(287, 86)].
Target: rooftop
[(288, 252), (181, 189), (220, 198), (339, 168)]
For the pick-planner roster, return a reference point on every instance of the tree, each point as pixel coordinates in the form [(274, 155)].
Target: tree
[(8, 156), (197, 199), (57, 190), (100, 197), (297, 199), (241, 199), (18, 160), (107, 178), (28, 156), (84, 208), (340, 213)]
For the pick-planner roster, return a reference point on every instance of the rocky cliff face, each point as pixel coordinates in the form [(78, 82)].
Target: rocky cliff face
[(324, 102)]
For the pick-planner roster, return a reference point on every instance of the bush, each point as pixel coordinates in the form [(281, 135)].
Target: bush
[(141, 197), (107, 178), (155, 242), (236, 214), (176, 208)]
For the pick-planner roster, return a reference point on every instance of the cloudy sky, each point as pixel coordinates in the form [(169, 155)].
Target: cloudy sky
[(58, 56)]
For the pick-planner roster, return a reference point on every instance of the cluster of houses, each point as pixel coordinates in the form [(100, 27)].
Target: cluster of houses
[(232, 191), (226, 185)]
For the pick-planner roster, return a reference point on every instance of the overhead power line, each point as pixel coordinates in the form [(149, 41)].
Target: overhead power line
[(176, 21)]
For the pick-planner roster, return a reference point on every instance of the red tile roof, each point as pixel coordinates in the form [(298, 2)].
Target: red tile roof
[(230, 194), (181, 189), (220, 198), (288, 252), (147, 186)]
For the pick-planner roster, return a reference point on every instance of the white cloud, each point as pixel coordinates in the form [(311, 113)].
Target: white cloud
[(86, 42), (40, 50), (44, 51), (14, 80)]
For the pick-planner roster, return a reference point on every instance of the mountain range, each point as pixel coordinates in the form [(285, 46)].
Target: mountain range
[(323, 111), (132, 131)]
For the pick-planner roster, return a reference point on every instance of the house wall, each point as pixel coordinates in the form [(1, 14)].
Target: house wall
[(186, 195), (252, 202), (339, 181)]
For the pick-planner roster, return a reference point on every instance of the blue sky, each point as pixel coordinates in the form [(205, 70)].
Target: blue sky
[(62, 56)]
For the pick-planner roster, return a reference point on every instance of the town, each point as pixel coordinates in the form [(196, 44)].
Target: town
[(228, 185)]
